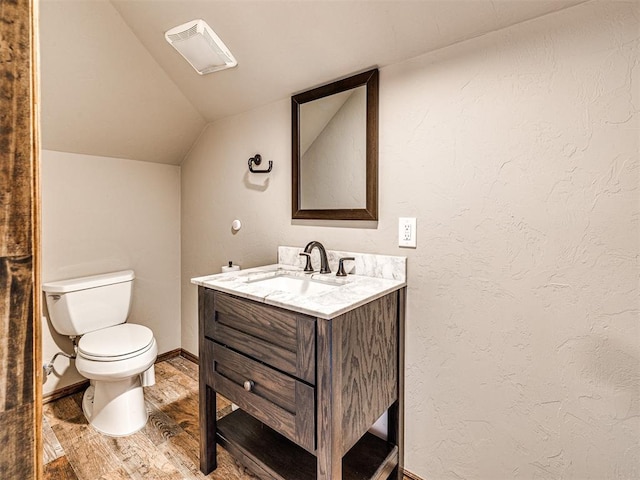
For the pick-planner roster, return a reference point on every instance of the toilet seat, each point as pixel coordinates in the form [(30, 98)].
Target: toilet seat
[(116, 343), (117, 368)]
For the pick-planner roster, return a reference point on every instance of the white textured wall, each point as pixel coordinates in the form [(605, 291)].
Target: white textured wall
[(103, 93), (104, 214), (518, 153)]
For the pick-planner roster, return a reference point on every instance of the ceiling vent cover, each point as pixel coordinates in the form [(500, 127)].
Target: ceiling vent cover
[(200, 46)]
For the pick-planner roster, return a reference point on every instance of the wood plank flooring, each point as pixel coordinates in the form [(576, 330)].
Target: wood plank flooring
[(166, 448)]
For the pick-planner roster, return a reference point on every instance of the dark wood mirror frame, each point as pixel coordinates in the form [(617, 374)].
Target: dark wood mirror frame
[(368, 79)]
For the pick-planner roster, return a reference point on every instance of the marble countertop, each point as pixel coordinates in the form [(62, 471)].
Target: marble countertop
[(347, 293)]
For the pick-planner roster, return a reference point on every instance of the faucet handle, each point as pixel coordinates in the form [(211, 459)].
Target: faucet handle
[(341, 272), (307, 267)]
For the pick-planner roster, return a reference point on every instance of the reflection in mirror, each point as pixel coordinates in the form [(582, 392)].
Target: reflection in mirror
[(333, 151), (335, 139)]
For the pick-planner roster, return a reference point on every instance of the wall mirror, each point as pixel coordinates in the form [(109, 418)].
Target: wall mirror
[(334, 132)]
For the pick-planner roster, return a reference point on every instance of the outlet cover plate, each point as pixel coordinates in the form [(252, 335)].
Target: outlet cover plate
[(407, 231)]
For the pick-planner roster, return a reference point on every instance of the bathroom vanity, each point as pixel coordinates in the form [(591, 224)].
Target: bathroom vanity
[(311, 360)]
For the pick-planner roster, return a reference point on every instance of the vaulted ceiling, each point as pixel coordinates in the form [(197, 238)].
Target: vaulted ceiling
[(112, 86)]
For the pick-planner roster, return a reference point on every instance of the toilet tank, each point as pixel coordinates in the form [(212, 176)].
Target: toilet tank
[(81, 305)]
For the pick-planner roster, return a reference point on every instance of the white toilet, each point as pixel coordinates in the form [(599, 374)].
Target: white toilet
[(117, 357)]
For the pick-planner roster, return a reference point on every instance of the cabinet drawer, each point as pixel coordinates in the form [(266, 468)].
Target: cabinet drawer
[(282, 339), (285, 404)]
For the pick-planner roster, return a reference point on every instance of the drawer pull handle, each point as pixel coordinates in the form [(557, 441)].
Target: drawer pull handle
[(248, 385)]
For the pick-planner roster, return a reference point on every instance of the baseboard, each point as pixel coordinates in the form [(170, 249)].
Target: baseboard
[(410, 476), (65, 391), (168, 355), (78, 387), (189, 356)]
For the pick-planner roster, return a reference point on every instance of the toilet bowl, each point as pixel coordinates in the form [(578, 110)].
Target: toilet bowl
[(117, 357)]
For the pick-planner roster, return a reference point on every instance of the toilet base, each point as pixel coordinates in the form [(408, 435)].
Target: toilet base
[(115, 408)]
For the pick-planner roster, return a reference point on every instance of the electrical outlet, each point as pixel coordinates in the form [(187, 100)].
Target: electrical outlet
[(407, 232)]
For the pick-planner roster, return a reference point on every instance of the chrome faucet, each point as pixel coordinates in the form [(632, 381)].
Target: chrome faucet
[(324, 263)]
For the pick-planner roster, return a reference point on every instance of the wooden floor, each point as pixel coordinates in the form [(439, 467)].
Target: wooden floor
[(166, 448)]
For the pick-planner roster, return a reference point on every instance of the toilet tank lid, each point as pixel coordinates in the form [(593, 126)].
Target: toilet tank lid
[(83, 283)]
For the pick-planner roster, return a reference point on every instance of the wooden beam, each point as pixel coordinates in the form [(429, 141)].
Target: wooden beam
[(20, 310)]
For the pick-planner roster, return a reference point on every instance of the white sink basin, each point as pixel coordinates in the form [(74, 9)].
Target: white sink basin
[(297, 285)]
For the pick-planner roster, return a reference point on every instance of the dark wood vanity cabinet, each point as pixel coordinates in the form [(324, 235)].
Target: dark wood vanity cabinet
[(308, 389)]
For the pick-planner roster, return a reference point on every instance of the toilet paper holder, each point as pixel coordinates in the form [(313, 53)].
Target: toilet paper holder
[(257, 160)]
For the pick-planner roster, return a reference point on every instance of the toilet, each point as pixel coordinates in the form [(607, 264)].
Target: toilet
[(116, 357)]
